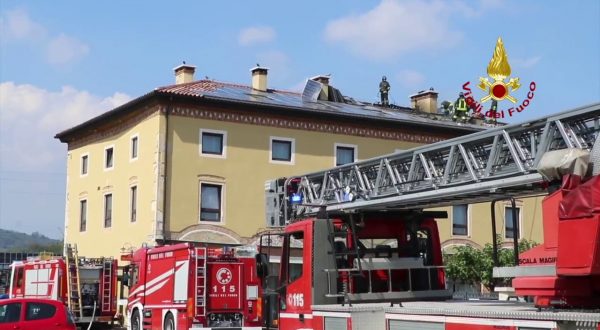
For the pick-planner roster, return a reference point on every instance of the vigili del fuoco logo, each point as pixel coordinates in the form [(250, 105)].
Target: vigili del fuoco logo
[(497, 88)]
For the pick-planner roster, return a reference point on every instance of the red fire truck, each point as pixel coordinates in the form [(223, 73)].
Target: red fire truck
[(182, 286), (371, 256), (87, 286)]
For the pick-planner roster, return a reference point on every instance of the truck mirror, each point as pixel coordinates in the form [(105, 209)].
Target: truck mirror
[(262, 265)]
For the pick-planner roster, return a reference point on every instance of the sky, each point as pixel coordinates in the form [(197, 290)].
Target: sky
[(63, 62)]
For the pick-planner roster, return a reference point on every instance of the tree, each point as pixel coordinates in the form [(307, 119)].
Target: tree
[(470, 265)]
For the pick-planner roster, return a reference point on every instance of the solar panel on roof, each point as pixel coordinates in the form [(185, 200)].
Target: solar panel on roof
[(311, 91)]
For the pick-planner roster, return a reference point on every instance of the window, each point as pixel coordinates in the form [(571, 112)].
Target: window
[(135, 268), (210, 202), (212, 143), (133, 203), (82, 215), (344, 154), (84, 164), (39, 311), (107, 210), (295, 247), (282, 150), (134, 147), (10, 313), (509, 230), (108, 158), (460, 225)]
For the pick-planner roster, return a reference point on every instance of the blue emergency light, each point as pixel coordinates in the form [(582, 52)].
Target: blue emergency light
[(296, 198)]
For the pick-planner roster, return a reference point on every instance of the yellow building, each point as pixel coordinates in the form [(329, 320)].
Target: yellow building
[(189, 162)]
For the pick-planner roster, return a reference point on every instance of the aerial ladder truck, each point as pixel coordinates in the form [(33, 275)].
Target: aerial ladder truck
[(370, 254)]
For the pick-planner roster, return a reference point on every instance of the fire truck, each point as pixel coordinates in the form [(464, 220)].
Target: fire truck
[(370, 250), (183, 286), (86, 285)]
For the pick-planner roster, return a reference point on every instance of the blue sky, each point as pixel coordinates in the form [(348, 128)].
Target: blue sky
[(62, 62)]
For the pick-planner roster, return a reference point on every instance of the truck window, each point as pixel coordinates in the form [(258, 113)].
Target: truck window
[(18, 280), (296, 248), (134, 274)]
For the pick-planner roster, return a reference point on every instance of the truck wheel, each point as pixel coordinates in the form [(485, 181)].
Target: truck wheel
[(135, 320), (169, 322)]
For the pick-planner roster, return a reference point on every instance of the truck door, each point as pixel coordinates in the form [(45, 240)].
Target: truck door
[(295, 299)]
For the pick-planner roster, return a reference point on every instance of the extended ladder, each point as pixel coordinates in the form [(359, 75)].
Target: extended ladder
[(107, 275), (475, 168), (73, 281)]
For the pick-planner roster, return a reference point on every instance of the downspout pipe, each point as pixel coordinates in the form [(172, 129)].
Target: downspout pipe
[(166, 172)]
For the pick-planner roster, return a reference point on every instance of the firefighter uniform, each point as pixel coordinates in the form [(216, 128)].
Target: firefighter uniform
[(461, 109)]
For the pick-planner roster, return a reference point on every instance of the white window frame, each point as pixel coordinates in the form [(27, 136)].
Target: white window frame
[(222, 206), (81, 174), (468, 223), (223, 155), (520, 221), (112, 209), (136, 136), (344, 145), (137, 193), (292, 141), (112, 146), (87, 207)]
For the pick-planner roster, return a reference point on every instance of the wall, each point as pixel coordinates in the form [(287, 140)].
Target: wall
[(480, 226), (97, 240), (246, 168)]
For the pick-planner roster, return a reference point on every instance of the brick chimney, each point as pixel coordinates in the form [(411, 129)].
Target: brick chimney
[(323, 79), (425, 101), (184, 73), (259, 78)]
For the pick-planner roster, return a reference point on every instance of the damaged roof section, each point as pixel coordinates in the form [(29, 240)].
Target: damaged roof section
[(319, 99), (331, 103)]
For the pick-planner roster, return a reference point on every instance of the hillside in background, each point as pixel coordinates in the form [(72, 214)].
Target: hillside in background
[(12, 241)]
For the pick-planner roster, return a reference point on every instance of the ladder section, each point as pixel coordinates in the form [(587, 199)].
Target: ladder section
[(343, 257), (201, 281), (73, 281), (107, 284), (475, 168)]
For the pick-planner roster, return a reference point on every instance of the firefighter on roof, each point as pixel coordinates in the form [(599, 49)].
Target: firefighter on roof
[(461, 109), (384, 89)]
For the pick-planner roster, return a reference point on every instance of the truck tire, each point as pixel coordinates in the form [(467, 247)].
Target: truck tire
[(135, 320), (169, 322)]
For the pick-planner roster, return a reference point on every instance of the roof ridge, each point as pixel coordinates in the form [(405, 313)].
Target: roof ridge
[(168, 88)]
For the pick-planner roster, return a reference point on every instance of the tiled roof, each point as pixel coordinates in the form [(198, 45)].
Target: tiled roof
[(236, 93)]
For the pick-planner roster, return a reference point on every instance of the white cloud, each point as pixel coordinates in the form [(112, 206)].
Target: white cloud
[(397, 27), (256, 34), (525, 62), (410, 78), (30, 116), (64, 49), (61, 49), (16, 25)]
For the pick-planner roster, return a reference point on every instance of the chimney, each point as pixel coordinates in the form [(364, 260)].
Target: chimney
[(259, 78), (323, 79), (425, 101), (184, 73)]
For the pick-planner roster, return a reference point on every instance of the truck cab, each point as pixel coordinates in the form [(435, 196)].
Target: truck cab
[(372, 257)]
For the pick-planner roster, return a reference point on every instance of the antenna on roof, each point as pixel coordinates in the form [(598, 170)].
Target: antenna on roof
[(183, 62)]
